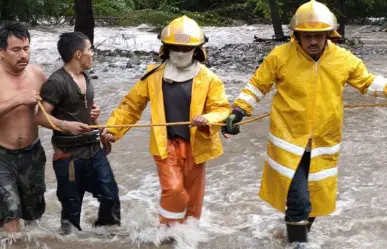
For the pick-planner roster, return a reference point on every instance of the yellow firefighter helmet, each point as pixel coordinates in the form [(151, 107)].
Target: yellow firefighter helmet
[(183, 31), (314, 16)]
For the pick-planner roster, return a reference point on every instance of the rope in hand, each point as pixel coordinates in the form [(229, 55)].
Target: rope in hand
[(246, 121)]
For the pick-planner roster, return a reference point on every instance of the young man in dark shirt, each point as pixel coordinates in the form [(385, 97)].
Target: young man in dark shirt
[(80, 163)]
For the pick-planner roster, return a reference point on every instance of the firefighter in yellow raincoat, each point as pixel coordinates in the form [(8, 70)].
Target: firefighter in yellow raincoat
[(306, 120), (180, 89)]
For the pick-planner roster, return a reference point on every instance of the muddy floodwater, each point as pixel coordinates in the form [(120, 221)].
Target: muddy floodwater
[(233, 215)]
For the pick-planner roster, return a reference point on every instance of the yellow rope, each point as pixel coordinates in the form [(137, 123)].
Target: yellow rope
[(364, 105), (53, 126), (246, 121)]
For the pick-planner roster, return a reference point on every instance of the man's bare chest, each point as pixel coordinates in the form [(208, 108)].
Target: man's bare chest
[(13, 87)]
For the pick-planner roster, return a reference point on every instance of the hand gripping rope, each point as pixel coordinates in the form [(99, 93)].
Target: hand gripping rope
[(246, 121)]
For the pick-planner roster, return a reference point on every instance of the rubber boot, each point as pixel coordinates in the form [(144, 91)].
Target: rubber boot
[(108, 214), (297, 231), (310, 220), (65, 227)]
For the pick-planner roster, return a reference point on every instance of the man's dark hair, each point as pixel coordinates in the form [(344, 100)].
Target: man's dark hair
[(69, 43), (13, 29)]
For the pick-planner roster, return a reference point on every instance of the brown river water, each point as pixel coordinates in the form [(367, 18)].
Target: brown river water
[(233, 215)]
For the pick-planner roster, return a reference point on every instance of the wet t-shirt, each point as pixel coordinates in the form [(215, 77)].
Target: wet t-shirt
[(62, 92), (177, 102)]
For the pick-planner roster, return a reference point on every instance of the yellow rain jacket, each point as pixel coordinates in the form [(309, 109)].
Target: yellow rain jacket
[(308, 105), (208, 99)]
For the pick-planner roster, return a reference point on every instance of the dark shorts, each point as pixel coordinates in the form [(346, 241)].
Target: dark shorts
[(22, 183)]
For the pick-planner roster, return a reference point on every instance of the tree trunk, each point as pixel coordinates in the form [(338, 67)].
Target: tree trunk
[(341, 18), (276, 19), (84, 18), (5, 11)]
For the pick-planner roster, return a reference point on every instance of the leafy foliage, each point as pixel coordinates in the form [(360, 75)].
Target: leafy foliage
[(215, 12), (161, 18), (112, 8), (352, 10)]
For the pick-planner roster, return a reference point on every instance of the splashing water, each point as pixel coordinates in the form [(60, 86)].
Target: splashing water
[(233, 216)]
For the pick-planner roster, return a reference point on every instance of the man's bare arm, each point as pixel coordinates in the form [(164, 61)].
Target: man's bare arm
[(27, 97), (40, 75), (9, 105)]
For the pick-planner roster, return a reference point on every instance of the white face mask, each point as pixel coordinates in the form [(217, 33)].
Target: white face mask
[(180, 59)]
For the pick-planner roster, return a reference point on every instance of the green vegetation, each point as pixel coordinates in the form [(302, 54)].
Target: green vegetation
[(161, 18), (159, 12)]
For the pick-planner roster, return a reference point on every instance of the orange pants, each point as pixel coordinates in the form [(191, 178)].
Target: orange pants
[(182, 183)]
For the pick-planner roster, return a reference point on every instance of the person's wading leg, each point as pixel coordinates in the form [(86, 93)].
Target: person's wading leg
[(10, 204), (104, 187), (32, 183), (70, 190), (10, 208), (298, 203), (194, 184), (310, 220), (174, 197)]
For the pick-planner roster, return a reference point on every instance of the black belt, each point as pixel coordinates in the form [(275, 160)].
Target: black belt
[(72, 141)]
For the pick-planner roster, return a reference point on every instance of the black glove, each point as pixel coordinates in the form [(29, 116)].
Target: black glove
[(235, 117)]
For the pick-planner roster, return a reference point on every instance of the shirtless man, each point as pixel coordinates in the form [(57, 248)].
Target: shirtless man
[(22, 158)]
